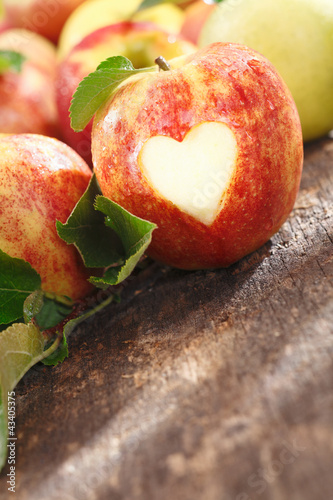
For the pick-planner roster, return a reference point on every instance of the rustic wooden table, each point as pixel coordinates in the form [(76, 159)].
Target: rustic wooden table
[(209, 385)]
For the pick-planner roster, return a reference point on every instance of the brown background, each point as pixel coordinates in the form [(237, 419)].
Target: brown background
[(208, 385)]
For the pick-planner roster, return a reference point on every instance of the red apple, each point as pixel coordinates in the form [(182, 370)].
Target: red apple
[(211, 151), (142, 43), (27, 98), (95, 14), (45, 17), (196, 15), (41, 180)]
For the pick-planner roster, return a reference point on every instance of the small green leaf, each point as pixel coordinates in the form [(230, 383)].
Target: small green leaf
[(62, 352), (11, 61), (52, 313), (134, 233), (96, 88), (98, 245), (146, 4), (32, 305), (17, 280)]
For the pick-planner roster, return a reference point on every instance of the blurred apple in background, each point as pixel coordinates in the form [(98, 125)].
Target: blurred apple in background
[(142, 43), (195, 17), (41, 180), (297, 37), (45, 17), (211, 151), (94, 14), (27, 97)]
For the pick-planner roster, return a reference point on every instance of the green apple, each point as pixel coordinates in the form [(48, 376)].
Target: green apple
[(210, 150), (297, 37), (41, 180), (94, 14)]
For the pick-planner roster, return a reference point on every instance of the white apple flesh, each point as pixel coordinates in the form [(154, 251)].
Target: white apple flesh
[(194, 173)]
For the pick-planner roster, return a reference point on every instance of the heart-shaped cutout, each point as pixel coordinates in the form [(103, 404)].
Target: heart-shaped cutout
[(194, 173)]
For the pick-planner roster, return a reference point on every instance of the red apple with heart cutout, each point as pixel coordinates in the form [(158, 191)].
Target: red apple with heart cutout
[(210, 150)]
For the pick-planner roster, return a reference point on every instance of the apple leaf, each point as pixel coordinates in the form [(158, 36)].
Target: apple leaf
[(48, 311), (53, 312), (11, 61), (98, 245), (17, 281), (21, 347), (146, 4), (33, 304), (106, 235), (62, 352), (59, 355), (135, 235), (96, 88)]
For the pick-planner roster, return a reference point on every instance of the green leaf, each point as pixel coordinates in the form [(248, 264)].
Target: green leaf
[(134, 233), (59, 355), (33, 305), (17, 280), (21, 346), (96, 88), (62, 352), (52, 313), (106, 235), (146, 4), (7, 325), (98, 245), (11, 61)]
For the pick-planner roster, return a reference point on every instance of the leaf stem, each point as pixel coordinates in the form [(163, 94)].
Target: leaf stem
[(51, 349), (61, 299), (69, 327)]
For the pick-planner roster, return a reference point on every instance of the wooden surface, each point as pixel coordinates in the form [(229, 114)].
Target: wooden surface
[(210, 385)]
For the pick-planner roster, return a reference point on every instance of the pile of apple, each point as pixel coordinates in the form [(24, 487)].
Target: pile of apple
[(207, 143)]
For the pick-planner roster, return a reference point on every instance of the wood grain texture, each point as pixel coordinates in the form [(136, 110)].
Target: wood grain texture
[(208, 385)]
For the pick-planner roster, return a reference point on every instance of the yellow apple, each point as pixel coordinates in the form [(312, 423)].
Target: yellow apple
[(142, 43), (297, 37), (210, 150), (27, 98), (94, 14), (41, 180)]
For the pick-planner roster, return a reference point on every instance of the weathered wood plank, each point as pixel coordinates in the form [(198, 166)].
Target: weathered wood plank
[(213, 385)]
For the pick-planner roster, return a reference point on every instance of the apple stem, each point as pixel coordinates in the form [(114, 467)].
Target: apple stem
[(162, 63)]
